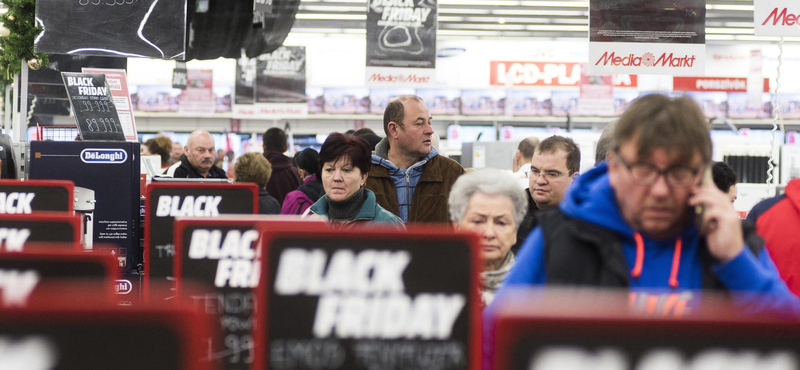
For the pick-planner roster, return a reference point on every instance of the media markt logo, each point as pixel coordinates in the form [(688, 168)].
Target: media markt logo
[(104, 156), (647, 60), (403, 78), (782, 17)]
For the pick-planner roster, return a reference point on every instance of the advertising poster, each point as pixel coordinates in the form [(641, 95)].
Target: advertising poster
[(665, 37), (597, 94), (776, 18), (198, 97), (118, 84), (93, 106), (370, 300), (272, 85), (401, 42)]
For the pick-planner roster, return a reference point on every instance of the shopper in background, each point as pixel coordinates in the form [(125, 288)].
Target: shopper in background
[(198, 159), (777, 220), (725, 179), (370, 136), (254, 168), (490, 203), (177, 152), (298, 201), (554, 165), (345, 165), (160, 146), (285, 176), (630, 223), (220, 158), (604, 144), (409, 178), (521, 164)]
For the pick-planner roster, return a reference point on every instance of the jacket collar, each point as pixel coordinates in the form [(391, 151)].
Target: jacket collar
[(431, 172), (367, 211)]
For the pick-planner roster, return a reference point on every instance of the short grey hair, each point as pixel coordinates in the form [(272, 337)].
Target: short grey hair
[(489, 182)]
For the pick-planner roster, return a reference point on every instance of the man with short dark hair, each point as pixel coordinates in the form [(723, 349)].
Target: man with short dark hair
[(604, 144), (555, 163), (285, 176), (521, 164), (631, 223), (197, 160), (410, 178), (725, 179)]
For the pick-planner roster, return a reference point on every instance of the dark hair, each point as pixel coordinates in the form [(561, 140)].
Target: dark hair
[(308, 160), (604, 143), (253, 167), (275, 140), (527, 147), (553, 143), (395, 112), (724, 177), (657, 121), (162, 146), (363, 131), (338, 145)]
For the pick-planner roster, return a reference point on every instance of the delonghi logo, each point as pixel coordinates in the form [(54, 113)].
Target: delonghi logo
[(108, 156), (123, 287), (782, 17), (647, 60)]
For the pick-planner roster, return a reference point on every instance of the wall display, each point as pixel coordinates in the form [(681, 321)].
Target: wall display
[(596, 94), (29, 231), (530, 102), (656, 37), (93, 106), (486, 102), (713, 104), (129, 28), (118, 85), (370, 300), (21, 197), (622, 99), (441, 101), (739, 106), (565, 102), (166, 201), (198, 97), (776, 18), (272, 85), (401, 42), (380, 98), (155, 98), (224, 253), (346, 100)]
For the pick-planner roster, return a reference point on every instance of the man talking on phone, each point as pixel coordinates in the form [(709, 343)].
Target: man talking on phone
[(632, 222)]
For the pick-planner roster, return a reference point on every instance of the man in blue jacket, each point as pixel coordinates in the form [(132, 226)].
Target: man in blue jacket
[(632, 222)]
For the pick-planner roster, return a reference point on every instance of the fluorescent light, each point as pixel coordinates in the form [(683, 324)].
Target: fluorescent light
[(745, 8), (567, 13), (480, 2), (462, 11), (738, 31), (554, 27), (320, 16), (557, 4)]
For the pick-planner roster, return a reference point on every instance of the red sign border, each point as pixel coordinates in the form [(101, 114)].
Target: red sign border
[(68, 185), (72, 220)]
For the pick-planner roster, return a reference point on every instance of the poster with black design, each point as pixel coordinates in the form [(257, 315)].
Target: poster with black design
[(665, 37), (24, 197), (93, 107), (120, 28), (224, 254), (401, 43), (586, 330), (73, 335), (272, 85), (24, 232), (165, 202), (370, 299)]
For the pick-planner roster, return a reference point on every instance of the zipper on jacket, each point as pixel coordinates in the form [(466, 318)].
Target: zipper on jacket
[(408, 200)]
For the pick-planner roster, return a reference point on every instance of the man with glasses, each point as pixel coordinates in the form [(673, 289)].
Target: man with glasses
[(631, 223), (555, 163)]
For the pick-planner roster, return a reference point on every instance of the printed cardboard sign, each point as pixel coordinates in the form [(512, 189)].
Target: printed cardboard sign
[(272, 85), (93, 106), (118, 85), (23, 197), (166, 201), (369, 300), (28, 231), (225, 254)]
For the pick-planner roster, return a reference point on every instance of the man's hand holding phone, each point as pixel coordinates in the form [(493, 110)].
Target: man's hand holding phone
[(718, 221)]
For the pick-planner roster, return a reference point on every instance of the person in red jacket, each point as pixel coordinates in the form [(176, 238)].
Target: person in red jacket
[(777, 220), (285, 176)]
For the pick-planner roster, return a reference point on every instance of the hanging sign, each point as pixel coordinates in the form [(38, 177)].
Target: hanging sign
[(93, 106), (272, 85), (776, 18), (723, 84)]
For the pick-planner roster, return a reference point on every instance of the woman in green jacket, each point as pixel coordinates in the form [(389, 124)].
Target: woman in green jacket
[(345, 162)]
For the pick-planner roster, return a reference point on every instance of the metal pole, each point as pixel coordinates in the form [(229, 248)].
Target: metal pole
[(7, 110), (23, 103), (15, 109)]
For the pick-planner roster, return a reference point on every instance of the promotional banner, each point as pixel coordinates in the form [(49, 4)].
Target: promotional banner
[(22, 197), (370, 300), (272, 85), (118, 84), (530, 73), (166, 201), (776, 18), (655, 37), (20, 232), (597, 94), (723, 84), (198, 97), (401, 43), (93, 106), (224, 253)]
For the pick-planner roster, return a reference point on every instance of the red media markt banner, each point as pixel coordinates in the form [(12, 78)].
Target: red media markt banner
[(723, 84)]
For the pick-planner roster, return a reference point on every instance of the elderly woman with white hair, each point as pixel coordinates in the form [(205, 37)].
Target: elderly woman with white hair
[(490, 203)]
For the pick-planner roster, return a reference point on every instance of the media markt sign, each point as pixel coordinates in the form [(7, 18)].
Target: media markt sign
[(777, 18), (657, 59)]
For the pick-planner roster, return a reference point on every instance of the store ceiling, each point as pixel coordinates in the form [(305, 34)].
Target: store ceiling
[(726, 20)]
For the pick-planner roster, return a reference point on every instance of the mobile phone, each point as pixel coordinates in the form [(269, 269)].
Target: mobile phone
[(700, 211)]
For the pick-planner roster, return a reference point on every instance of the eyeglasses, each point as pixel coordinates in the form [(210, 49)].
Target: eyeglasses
[(646, 174), (548, 175)]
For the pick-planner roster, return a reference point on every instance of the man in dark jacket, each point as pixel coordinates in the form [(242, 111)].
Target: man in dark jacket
[(197, 160), (285, 176), (409, 177)]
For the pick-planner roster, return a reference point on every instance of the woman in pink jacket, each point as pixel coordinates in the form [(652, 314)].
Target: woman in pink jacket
[(297, 201)]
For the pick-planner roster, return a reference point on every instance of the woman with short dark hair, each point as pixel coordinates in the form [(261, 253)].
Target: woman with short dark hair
[(345, 163), (298, 201)]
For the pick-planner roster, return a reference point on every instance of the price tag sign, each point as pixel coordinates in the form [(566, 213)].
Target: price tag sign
[(93, 106)]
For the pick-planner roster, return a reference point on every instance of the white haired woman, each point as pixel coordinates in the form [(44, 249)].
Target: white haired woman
[(490, 203)]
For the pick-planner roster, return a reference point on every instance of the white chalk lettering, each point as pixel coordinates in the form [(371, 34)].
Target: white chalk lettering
[(171, 206), (16, 203)]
